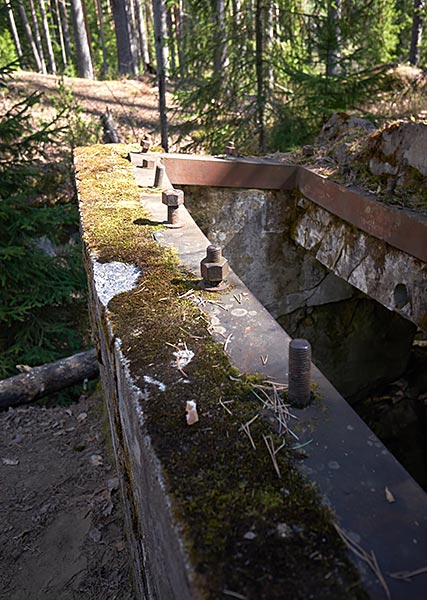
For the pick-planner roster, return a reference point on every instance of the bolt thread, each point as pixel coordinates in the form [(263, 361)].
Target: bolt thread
[(299, 372), (173, 217), (159, 175), (213, 253)]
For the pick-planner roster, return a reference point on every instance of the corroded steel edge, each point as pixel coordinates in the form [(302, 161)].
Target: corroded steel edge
[(401, 229)]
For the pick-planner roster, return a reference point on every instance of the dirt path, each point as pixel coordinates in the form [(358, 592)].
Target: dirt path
[(61, 521), (132, 103)]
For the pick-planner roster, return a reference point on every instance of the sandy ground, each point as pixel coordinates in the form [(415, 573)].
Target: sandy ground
[(133, 104), (61, 521)]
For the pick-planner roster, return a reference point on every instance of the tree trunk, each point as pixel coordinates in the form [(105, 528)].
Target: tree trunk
[(15, 35), (159, 13), (259, 69), (133, 36), (142, 34), (149, 22), (417, 32), (84, 60), (124, 54), (38, 38), (60, 33), (180, 37), (47, 379), (220, 51), (50, 55), (171, 36), (29, 35), (99, 16), (333, 43), (66, 29)]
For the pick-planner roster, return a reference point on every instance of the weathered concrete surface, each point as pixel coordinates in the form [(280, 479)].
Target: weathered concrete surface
[(346, 460), (395, 279), (157, 558), (271, 241)]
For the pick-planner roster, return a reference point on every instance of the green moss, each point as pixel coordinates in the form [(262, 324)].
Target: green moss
[(221, 488)]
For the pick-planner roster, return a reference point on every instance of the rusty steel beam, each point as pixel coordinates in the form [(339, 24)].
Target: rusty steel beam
[(399, 228), (235, 173)]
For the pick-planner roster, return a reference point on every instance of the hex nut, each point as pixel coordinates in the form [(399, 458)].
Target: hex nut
[(214, 272), (173, 197)]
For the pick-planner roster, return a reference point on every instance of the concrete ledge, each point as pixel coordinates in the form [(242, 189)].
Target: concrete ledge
[(263, 536)]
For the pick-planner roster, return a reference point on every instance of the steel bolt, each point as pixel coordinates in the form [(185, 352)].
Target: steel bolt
[(145, 142), (214, 269), (299, 372), (159, 176), (230, 149), (173, 200)]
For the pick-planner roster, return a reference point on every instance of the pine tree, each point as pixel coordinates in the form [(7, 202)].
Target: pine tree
[(39, 289)]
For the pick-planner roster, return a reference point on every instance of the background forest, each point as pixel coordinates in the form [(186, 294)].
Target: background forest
[(264, 73)]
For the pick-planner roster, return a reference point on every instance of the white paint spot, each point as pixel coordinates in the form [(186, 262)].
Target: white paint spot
[(114, 278), (252, 313), (155, 382), (334, 465), (350, 427), (239, 312)]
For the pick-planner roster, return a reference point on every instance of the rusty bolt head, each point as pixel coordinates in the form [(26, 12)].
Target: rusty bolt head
[(173, 197), (308, 150), (230, 149), (145, 142), (214, 272)]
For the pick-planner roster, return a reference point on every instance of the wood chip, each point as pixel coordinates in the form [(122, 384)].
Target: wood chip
[(389, 496)]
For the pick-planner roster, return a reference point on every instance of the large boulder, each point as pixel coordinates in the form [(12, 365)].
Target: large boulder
[(399, 146)]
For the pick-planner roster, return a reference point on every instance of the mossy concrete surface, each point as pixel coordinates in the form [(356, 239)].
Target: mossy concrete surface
[(207, 515)]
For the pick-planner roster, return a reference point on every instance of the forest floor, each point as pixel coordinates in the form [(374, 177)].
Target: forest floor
[(132, 103)]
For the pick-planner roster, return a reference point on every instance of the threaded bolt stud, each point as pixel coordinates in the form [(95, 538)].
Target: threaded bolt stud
[(213, 254), (173, 216), (159, 176), (299, 372)]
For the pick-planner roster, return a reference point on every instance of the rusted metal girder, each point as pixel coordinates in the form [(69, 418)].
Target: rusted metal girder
[(399, 228)]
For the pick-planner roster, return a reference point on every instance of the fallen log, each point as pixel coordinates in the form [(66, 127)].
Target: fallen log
[(49, 378)]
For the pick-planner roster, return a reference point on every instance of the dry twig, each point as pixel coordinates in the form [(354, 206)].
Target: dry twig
[(369, 558), (407, 575), (273, 451), (227, 341), (246, 428)]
